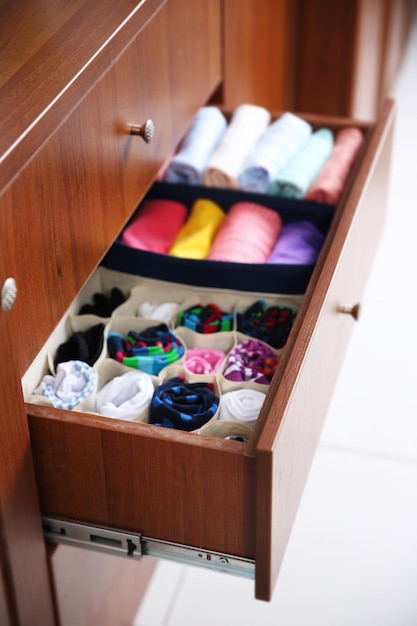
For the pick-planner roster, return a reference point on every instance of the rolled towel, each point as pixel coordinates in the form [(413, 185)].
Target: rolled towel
[(182, 405), (155, 225), (246, 126), (330, 183), (296, 177), (247, 235), (274, 149), (299, 243), (195, 238), (188, 164), (251, 361), (126, 396), (242, 405), (73, 382)]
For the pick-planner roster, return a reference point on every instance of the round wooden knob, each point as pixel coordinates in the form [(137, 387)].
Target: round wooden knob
[(354, 310), (8, 294), (145, 130)]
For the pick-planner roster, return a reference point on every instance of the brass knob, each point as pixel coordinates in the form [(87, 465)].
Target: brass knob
[(354, 310), (145, 130)]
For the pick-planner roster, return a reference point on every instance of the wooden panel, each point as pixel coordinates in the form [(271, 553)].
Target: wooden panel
[(96, 589), (164, 484), (258, 53), (305, 381), (75, 194)]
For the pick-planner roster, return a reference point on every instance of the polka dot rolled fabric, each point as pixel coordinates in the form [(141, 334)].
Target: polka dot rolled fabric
[(150, 350), (197, 235), (242, 405), (330, 183), (271, 325), (126, 396), (188, 164), (296, 177), (247, 235), (246, 126), (73, 382), (203, 360), (183, 406), (155, 225), (251, 361)]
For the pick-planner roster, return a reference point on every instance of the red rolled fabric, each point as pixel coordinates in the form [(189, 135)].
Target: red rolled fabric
[(155, 226), (247, 235), (329, 184)]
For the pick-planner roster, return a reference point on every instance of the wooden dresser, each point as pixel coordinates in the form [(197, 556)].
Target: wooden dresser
[(74, 78)]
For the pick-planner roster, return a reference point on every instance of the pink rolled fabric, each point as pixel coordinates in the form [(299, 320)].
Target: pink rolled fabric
[(329, 184), (155, 225), (247, 235)]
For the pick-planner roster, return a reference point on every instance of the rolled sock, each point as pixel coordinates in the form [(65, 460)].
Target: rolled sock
[(73, 382), (242, 405), (155, 225), (274, 149), (188, 164), (126, 396), (182, 405), (203, 360), (196, 236), (299, 243), (164, 312), (246, 126), (251, 361), (82, 346), (330, 183), (247, 235), (296, 177)]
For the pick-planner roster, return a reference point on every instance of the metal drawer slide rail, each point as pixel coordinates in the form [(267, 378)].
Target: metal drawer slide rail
[(123, 543)]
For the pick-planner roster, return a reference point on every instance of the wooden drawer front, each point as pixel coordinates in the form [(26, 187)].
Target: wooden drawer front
[(76, 192), (219, 495)]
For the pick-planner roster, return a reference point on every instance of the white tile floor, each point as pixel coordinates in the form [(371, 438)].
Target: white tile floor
[(352, 557)]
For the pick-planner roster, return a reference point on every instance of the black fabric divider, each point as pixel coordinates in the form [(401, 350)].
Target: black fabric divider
[(289, 279)]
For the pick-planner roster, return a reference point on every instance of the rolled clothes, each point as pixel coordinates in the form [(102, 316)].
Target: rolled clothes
[(295, 178), (155, 225), (103, 305), (73, 382), (196, 236), (247, 235), (150, 350), (242, 405), (330, 183), (251, 361), (270, 324), (246, 126), (181, 405), (126, 396), (164, 312), (82, 346), (188, 164), (299, 243), (206, 318), (274, 149), (203, 360)]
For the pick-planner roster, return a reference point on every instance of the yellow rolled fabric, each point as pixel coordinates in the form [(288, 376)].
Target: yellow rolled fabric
[(195, 238)]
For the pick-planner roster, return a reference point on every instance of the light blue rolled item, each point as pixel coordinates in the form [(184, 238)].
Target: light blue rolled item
[(294, 180), (188, 164), (279, 143)]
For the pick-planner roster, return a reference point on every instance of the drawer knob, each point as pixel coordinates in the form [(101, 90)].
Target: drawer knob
[(8, 294), (354, 310), (145, 130)]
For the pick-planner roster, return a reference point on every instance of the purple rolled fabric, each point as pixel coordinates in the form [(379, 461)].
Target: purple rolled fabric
[(251, 361), (299, 243)]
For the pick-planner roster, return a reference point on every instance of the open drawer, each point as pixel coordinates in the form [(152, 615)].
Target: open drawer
[(232, 503)]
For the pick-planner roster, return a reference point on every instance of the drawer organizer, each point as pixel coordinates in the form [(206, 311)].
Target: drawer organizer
[(196, 497)]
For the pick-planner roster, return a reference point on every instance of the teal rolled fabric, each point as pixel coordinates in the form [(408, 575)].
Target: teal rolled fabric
[(294, 180)]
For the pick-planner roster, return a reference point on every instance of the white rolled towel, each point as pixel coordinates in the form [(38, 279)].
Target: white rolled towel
[(241, 405), (276, 146), (126, 396), (246, 126), (188, 164)]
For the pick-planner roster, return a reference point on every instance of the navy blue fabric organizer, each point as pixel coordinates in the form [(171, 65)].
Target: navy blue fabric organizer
[(289, 279)]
